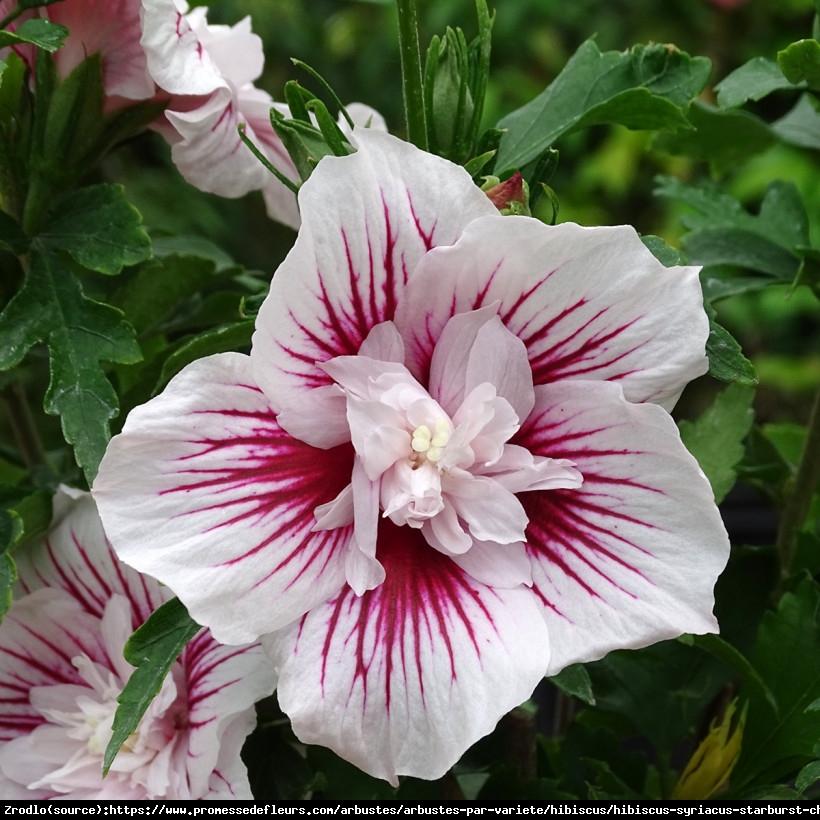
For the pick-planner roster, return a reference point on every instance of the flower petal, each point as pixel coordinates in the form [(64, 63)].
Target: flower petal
[(39, 636), (588, 303), (74, 556), (176, 59), (112, 29), (206, 492), (223, 684), (403, 679), (475, 348), (367, 220), (631, 557)]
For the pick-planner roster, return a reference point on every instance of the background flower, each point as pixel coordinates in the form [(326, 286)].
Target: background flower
[(446, 469), (62, 669)]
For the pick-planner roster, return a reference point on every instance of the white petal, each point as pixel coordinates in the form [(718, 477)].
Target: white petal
[(405, 678), (384, 343), (176, 59), (491, 512), (362, 570), (588, 303), (204, 491), (632, 556), (319, 418), (367, 220)]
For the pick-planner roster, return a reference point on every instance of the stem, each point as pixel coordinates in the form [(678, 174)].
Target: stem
[(23, 426), (804, 485), (411, 81)]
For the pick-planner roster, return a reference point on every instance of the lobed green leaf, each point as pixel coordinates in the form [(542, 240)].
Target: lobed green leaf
[(37, 32), (574, 681), (80, 333), (152, 649), (800, 62), (98, 228), (647, 87)]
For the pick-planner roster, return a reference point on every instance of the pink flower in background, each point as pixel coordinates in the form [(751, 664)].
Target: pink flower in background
[(61, 669), (209, 71), (446, 469)]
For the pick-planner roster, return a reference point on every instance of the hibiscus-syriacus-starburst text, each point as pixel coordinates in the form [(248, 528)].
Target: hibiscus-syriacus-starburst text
[(446, 469), (61, 670)]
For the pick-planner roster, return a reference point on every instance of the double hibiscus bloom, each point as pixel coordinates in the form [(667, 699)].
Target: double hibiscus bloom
[(446, 469)]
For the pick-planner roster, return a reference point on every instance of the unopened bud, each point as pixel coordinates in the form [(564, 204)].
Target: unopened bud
[(510, 196)]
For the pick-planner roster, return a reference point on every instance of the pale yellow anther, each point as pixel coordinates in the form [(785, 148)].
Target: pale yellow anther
[(421, 439), (428, 444)]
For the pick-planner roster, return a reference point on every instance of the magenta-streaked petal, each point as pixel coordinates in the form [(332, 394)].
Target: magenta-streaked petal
[(403, 679), (318, 418), (367, 220), (110, 28), (204, 491), (235, 50), (223, 684), (176, 59), (209, 152), (75, 556), (588, 303), (39, 636), (632, 556)]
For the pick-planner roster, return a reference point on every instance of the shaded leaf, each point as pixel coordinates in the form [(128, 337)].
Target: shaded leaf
[(153, 648), (574, 681), (647, 87), (722, 232), (787, 657), (752, 81), (12, 237), (801, 126), (808, 776), (716, 437), (723, 137), (11, 528), (99, 228), (218, 340), (80, 333)]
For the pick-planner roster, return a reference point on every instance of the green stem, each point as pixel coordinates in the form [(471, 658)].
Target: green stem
[(411, 79), (798, 499), (23, 426)]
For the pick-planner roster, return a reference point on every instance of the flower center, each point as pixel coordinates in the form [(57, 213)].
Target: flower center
[(428, 445)]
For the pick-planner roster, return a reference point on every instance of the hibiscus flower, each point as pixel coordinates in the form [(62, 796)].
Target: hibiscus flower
[(446, 469), (61, 670)]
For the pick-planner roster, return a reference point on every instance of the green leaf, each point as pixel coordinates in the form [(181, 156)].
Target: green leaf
[(752, 81), (11, 528), (787, 657), (574, 681), (668, 256), (715, 439), (723, 137), (99, 228), (222, 339), (722, 232), (39, 32), (153, 648), (12, 237), (79, 333), (808, 776), (734, 659), (161, 286), (647, 87), (800, 62), (726, 360)]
